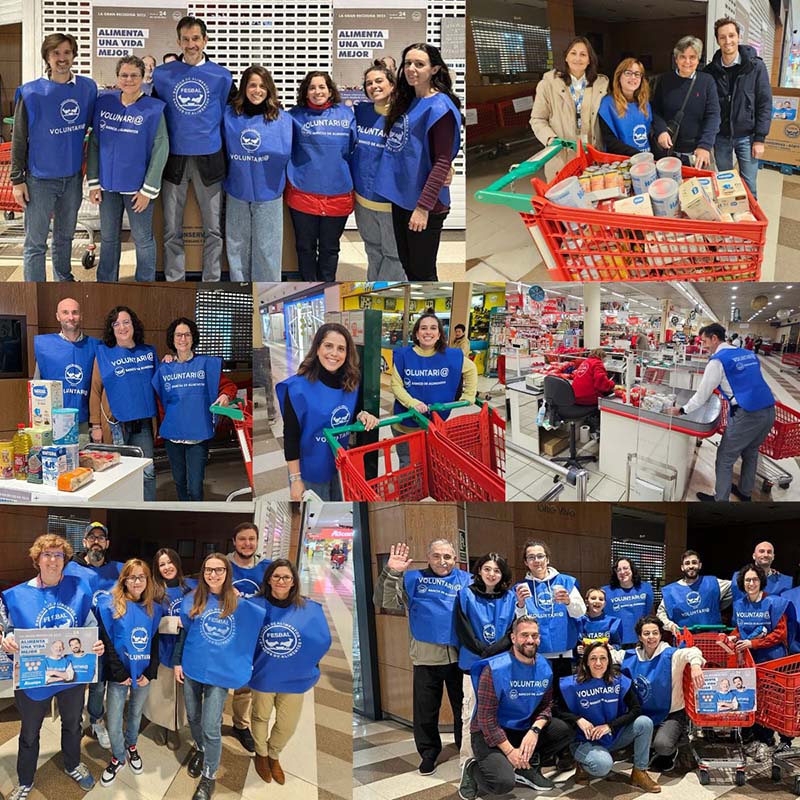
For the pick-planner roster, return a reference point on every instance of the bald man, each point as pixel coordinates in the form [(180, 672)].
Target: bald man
[(764, 555), (68, 356)]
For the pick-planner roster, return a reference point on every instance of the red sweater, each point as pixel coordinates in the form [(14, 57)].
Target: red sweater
[(591, 381)]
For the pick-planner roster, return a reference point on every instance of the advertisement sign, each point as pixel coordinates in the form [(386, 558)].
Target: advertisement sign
[(727, 691), (54, 655)]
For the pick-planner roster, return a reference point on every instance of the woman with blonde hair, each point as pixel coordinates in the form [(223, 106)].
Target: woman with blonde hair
[(128, 621), (626, 118)]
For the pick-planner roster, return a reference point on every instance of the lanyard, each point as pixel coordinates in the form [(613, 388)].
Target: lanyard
[(577, 96)]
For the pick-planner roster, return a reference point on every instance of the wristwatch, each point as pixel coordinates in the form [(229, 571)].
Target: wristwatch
[(536, 730), (682, 411)]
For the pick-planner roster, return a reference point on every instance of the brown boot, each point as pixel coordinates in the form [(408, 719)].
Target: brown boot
[(277, 772), (262, 768), (581, 775), (640, 778)]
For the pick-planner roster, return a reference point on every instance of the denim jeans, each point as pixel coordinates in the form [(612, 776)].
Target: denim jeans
[(60, 198), (598, 761), (330, 491), (204, 706), (188, 463), (117, 694), (143, 439), (317, 244), (254, 239), (111, 208), (377, 232), (94, 702), (725, 147)]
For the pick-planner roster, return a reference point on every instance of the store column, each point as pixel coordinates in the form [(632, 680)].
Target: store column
[(591, 315), (460, 305), (664, 321)]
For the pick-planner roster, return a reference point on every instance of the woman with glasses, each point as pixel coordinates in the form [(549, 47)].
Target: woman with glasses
[(129, 621), (50, 600), (628, 597), (626, 118), (187, 386), (122, 403), (294, 638), (213, 654), (164, 705)]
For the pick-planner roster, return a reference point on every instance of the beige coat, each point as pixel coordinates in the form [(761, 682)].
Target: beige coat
[(553, 115)]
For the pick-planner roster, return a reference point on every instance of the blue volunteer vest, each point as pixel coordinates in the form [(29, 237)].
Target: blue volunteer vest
[(652, 682), (132, 634), (697, 604), (597, 701), (196, 98), (744, 375), (746, 698), (489, 620), (406, 161), (172, 608), (58, 117), (317, 406), (218, 651), (602, 627), (632, 128), (66, 605), (431, 605), (290, 646), (125, 135), (127, 376), (629, 605), (431, 379), (258, 152), (752, 618), (777, 584), (367, 156), (68, 362), (558, 631), (322, 146), (247, 580), (85, 667), (100, 579), (519, 687), (186, 389)]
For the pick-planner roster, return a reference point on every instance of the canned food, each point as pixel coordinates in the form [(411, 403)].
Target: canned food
[(6, 461), (598, 181)]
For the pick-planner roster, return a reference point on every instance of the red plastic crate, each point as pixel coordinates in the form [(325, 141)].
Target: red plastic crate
[(7, 202), (487, 123), (778, 695), (783, 441), (509, 118), (481, 435)]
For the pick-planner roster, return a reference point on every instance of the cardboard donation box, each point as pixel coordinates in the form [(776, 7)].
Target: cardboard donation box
[(783, 140)]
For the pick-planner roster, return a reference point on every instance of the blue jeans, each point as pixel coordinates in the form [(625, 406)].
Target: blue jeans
[(598, 761), (725, 147), (111, 208), (254, 239), (188, 463), (60, 198), (94, 702), (117, 694), (143, 439), (204, 705), (330, 491)]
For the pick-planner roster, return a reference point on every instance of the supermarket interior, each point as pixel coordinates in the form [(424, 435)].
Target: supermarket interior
[(380, 317), (619, 440)]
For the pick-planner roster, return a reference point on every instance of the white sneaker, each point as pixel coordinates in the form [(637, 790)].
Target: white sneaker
[(99, 730)]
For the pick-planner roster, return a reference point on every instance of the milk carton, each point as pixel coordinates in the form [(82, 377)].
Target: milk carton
[(730, 192), (639, 204), (54, 462), (71, 456), (695, 203), (43, 397), (65, 426)]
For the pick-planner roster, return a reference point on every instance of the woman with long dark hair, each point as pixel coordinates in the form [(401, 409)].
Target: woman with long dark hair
[(258, 144), (423, 130), (293, 640), (320, 188), (568, 100), (122, 403), (323, 394), (629, 598)]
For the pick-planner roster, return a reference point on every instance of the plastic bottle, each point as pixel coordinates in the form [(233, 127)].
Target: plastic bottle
[(22, 447)]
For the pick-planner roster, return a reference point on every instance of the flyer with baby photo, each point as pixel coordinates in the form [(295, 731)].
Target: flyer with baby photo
[(54, 655)]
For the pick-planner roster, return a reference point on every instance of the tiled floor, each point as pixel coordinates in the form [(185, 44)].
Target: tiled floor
[(525, 481), (385, 765), (317, 760)]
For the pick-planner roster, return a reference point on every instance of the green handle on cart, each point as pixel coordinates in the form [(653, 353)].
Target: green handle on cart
[(521, 202), (234, 411), (709, 629)]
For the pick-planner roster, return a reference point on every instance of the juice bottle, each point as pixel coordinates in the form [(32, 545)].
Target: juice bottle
[(22, 447)]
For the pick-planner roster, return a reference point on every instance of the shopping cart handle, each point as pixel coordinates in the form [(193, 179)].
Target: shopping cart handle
[(332, 434), (448, 406), (708, 628), (233, 411)]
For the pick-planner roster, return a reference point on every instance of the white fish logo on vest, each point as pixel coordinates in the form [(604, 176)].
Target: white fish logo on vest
[(73, 374), (340, 416), (56, 615), (640, 136), (643, 687), (280, 640), (139, 638), (70, 110), (119, 371), (513, 694), (398, 135), (250, 139), (694, 599), (215, 629), (489, 633), (191, 95)]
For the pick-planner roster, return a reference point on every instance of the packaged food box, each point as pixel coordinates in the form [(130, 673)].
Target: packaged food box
[(695, 203), (639, 204), (43, 397), (72, 456), (74, 479), (54, 462), (98, 461), (728, 186), (745, 216), (65, 426)]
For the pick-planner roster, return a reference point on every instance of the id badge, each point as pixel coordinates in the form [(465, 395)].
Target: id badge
[(117, 436)]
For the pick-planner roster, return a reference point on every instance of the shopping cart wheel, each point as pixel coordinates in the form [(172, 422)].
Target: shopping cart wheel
[(776, 773), (703, 777), (797, 785), (9, 215), (785, 483), (88, 259), (766, 487), (740, 777)]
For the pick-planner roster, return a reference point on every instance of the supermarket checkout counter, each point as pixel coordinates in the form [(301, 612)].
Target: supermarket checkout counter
[(660, 437)]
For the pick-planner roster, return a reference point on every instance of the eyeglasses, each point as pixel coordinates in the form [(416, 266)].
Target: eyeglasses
[(136, 579), (97, 538), (281, 578), (183, 335), (537, 557), (215, 570), (53, 556), (124, 323), (629, 73), (752, 580)]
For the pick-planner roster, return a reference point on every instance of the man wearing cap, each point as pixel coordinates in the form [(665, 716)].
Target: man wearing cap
[(91, 565), (68, 356)]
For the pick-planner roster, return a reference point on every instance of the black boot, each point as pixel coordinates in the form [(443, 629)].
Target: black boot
[(205, 789), (195, 764)]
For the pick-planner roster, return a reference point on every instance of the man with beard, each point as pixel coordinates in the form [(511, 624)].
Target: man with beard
[(763, 556), (84, 664), (247, 573), (693, 600), (91, 565), (430, 595), (513, 728)]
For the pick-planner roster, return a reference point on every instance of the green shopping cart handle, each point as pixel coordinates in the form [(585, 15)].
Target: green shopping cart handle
[(233, 411), (521, 202), (708, 629)]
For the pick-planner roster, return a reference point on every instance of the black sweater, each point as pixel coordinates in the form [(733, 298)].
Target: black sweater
[(701, 117), (466, 635)]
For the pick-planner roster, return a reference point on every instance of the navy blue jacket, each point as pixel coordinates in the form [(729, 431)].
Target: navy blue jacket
[(700, 117), (747, 105)]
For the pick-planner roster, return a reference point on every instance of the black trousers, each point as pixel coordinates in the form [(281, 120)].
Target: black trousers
[(317, 244), (429, 681), (562, 668), (417, 249), (494, 773), (33, 712)]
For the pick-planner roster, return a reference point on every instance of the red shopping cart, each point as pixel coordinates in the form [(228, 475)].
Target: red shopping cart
[(715, 738), (790, 360), (600, 245), (8, 205), (240, 413)]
